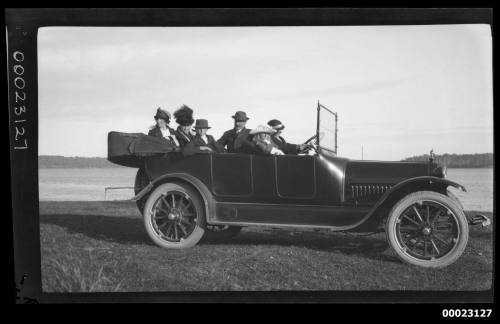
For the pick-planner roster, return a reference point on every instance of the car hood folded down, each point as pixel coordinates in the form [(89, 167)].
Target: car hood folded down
[(128, 149)]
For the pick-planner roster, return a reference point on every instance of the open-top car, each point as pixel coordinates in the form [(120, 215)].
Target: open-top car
[(182, 198)]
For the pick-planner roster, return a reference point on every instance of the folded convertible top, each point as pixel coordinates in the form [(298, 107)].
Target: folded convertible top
[(128, 149)]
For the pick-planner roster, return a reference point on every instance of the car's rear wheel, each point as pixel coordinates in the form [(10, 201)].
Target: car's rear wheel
[(174, 216), (221, 232), (427, 229)]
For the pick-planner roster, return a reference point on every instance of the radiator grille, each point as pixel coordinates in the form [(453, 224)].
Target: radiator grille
[(367, 190)]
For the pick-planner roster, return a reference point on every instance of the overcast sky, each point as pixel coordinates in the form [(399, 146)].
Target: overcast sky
[(398, 90)]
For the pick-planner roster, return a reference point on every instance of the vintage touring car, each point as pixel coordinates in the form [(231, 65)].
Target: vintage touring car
[(183, 198)]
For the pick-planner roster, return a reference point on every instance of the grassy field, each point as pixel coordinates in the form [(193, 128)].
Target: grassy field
[(103, 246)]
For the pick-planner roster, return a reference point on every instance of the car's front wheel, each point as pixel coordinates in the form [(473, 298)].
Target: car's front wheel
[(174, 216), (427, 229)]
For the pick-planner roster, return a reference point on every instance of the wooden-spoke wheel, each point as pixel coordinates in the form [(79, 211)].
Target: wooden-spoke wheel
[(173, 216), (427, 229)]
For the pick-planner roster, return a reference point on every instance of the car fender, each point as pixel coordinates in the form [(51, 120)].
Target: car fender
[(194, 182), (412, 185), (380, 209)]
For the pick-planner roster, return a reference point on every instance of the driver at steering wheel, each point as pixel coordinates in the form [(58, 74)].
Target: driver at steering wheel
[(280, 142)]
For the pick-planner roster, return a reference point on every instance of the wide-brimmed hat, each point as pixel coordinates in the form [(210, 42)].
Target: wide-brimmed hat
[(184, 116), (201, 123), (240, 116), (276, 124), (262, 129), (162, 114)]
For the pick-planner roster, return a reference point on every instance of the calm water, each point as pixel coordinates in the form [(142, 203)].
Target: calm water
[(479, 185), (89, 184), (85, 183)]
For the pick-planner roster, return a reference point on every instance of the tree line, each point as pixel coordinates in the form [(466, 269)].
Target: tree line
[(58, 161), (483, 160), (478, 160)]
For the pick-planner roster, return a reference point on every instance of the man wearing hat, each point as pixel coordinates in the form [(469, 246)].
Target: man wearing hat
[(184, 117), (201, 142), (280, 142), (161, 129), (262, 139), (237, 140)]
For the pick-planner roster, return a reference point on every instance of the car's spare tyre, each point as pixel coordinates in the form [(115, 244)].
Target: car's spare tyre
[(427, 229), (174, 216), (141, 181), (220, 232)]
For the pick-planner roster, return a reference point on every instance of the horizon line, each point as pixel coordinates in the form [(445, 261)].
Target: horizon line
[(105, 157)]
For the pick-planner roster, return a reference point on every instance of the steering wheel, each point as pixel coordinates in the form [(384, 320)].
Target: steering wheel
[(309, 140), (311, 143)]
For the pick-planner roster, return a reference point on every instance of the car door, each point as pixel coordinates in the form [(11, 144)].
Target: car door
[(295, 176), (231, 175)]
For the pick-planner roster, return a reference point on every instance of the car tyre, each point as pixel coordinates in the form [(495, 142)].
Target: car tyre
[(427, 229), (174, 216)]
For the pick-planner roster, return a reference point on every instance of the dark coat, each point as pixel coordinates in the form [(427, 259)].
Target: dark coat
[(194, 145), (183, 138), (237, 142), (156, 132), (287, 148)]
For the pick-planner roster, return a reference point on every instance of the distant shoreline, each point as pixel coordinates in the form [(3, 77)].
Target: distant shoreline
[(458, 161), (122, 167), (81, 167), (452, 161)]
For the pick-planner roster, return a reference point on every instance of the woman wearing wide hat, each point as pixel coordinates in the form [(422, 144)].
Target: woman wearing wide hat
[(184, 117), (202, 142), (280, 142), (262, 139), (162, 130)]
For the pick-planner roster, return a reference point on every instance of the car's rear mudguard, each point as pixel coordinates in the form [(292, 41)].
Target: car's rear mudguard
[(184, 178)]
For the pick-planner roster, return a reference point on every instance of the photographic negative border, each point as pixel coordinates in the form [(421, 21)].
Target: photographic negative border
[(22, 26)]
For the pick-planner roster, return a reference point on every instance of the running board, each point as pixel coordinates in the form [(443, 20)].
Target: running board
[(479, 219)]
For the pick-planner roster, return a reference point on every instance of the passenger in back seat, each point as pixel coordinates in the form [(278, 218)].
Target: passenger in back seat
[(162, 130), (202, 142), (262, 139)]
